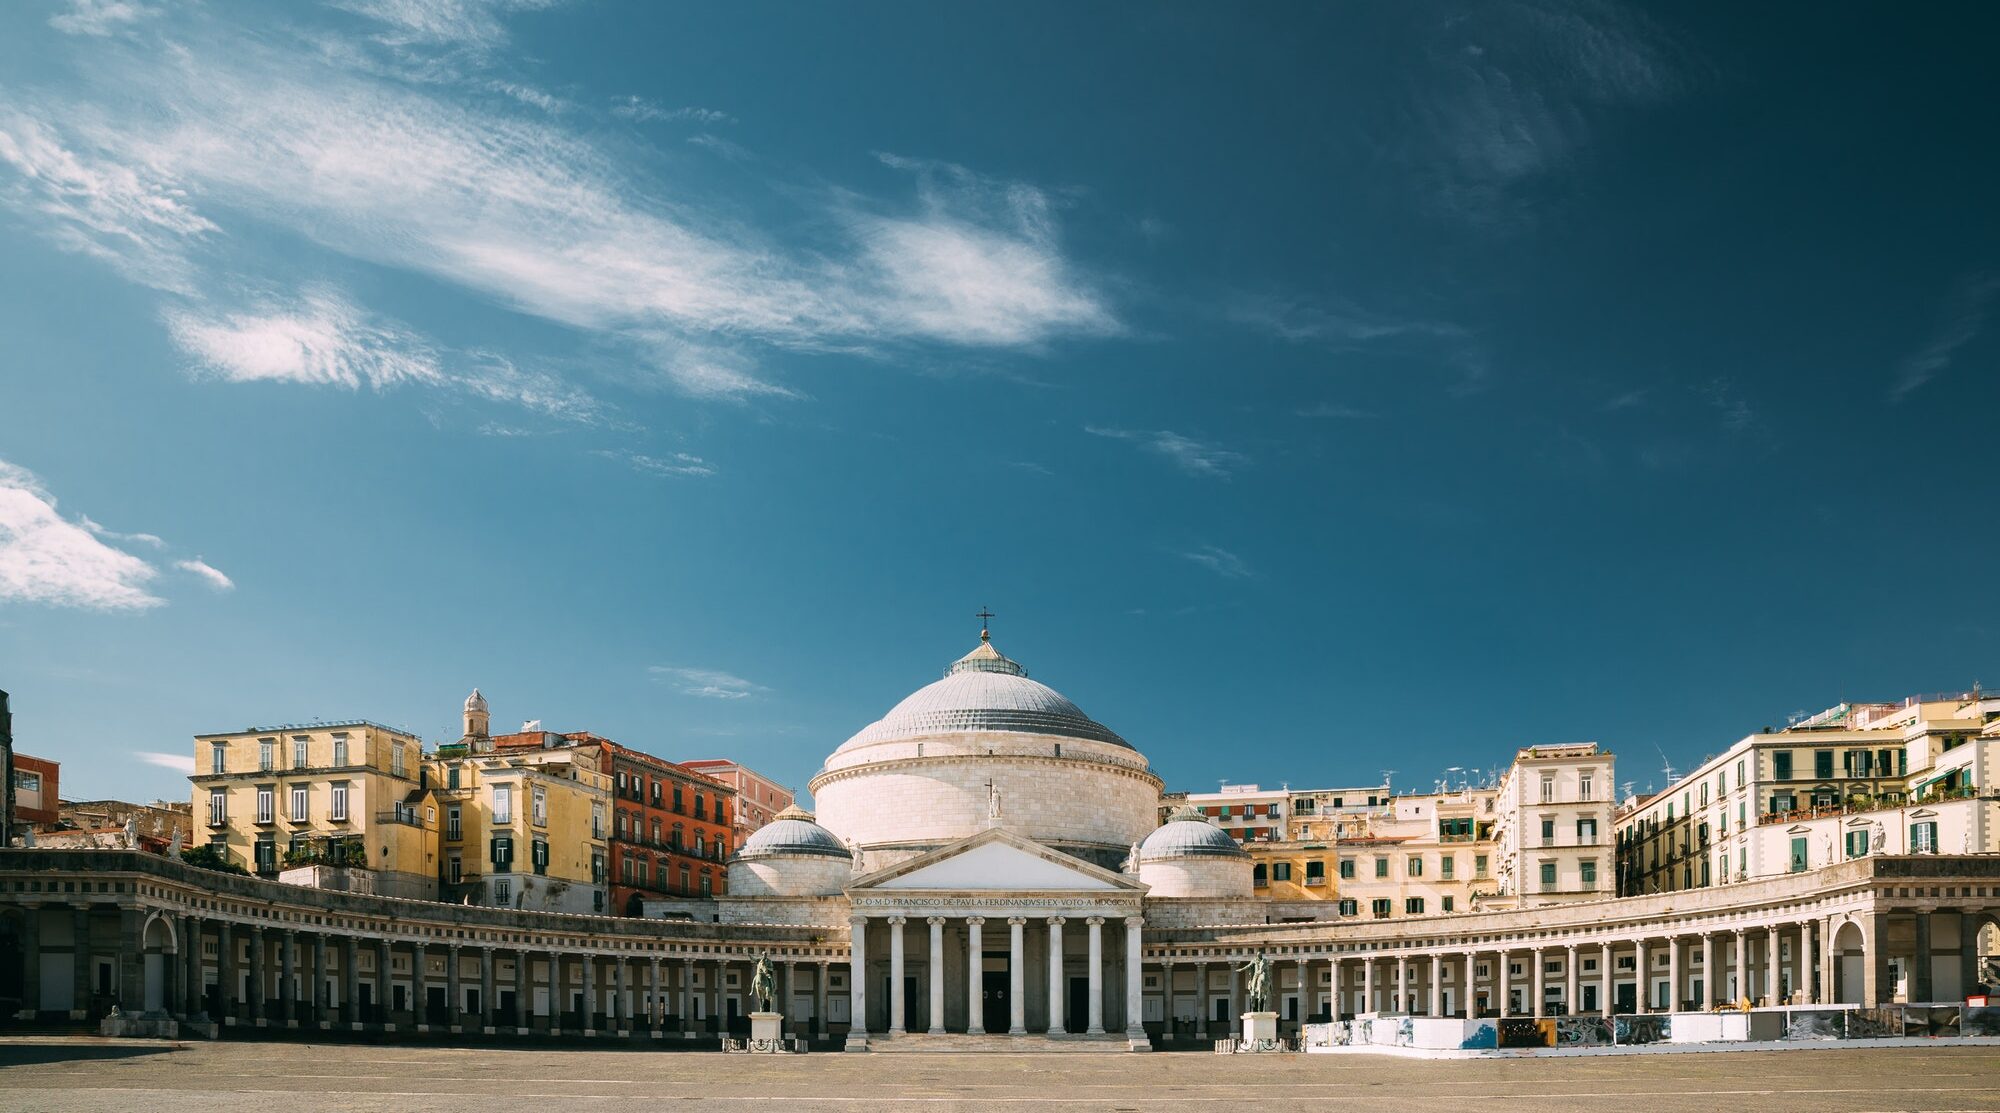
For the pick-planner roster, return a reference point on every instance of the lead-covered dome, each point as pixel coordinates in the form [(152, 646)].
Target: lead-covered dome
[(984, 691), (1189, 836), (986, 747), (793, 832)]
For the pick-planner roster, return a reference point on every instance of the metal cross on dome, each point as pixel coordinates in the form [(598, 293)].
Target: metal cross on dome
[(984, 616)]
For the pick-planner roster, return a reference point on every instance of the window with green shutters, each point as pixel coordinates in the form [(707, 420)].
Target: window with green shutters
[(1381, 867), (1857, 843), (1781, 765), (1923, 838), (1822, 764), (1347, 869), (1798, 854)]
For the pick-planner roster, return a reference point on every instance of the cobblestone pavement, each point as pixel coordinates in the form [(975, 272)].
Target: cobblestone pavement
[(103, 1076)]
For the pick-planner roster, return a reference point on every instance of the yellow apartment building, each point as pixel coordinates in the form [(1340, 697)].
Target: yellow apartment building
[(522, 828), (339, 796)]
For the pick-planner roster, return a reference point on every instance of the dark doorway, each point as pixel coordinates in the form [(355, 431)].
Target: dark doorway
[(912, 1020), (365, 995), (1625, 996), (1076, 1011), (995, 1012), (434, 1005), (507, 1011)]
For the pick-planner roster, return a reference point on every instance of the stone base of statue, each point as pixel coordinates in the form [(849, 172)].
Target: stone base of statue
[(1260, 1033), (767, 1036)]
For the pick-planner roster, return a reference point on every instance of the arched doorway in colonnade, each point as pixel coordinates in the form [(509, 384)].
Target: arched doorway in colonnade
[(159, 943), (1848, 952)]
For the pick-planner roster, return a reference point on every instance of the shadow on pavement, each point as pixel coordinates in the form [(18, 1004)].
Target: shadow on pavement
[(33, 1054)]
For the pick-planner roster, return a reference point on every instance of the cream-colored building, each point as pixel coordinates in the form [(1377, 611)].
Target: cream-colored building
[(521, 827), (1553, 820), (1855, 779), (329, 796)]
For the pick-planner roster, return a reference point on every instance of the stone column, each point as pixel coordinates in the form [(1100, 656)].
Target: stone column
[(1017, 967), (1538, 984), (819, 999), (488, 1007), (420, 976), (81, 961), (1437, 985), (1058, 999), (621, 999), (937, 975), (1742, 963), (656, 1005), (1673, 973), (1574, 989), (1605, 973), (975, 977), (1096, 976), (685, 994), (524, 990), (1802, 963), (1639, 987), (1368, 984), (1921, 963), (318, 994), (1333, 980), (288, 974), (350, 982), (1774, 986), (1708, 986), (1402, 985), (896, 1002), (1469, 1003), (1235, 1008), (590, 994), (1877, 989), (857, 982), (1307, 989), (382, 972), (1135, 1005), (1506, 983), (1201, 998), (31, 957), (454, 991), (225, 971)]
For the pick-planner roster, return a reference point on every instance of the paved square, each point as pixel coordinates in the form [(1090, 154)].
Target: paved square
[(242, 1077)]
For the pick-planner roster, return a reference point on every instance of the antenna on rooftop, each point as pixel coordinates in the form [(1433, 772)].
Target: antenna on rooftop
[(1666, 767)]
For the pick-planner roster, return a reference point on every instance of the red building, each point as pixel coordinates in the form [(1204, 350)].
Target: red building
[(36, 790), (671, 828)]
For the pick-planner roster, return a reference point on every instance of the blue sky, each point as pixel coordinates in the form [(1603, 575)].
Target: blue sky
[(1311, 390)]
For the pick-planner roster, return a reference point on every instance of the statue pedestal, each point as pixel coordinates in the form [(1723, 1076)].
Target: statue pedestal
[(1259, 1028), (767, 1027)]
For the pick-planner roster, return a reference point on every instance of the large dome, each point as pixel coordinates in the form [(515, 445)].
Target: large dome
[(793, 832), (1188, 837), (984, 691), (986, 747)]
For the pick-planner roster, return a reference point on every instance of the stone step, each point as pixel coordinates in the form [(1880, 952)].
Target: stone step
[(1033, 1043)]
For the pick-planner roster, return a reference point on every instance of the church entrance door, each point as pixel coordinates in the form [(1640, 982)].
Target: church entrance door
[(1076, 1010), (994, 1012)]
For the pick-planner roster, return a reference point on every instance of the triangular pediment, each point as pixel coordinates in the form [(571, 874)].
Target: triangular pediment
[(995, 860)]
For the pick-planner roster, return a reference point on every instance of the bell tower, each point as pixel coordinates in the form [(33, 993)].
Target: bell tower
[(477, 718)]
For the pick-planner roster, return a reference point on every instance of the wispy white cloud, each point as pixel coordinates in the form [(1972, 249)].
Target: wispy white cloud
[(515, 207), (1220, 561), (1336, 410), (1731, 408), (706, 683), (1964, 316), (1190, 455), (153, 540), (459, 23), (1630, 400), (1516, 90), (320, 339), (46, 558), (100, 17), (179, 763), (1340, 324), (208, 572), (676, 464), (130, 214), (646, 111)]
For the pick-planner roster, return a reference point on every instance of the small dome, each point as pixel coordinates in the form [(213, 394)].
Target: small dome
[(475, 701), (1188, 836), (984, 691), (793, 832)]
